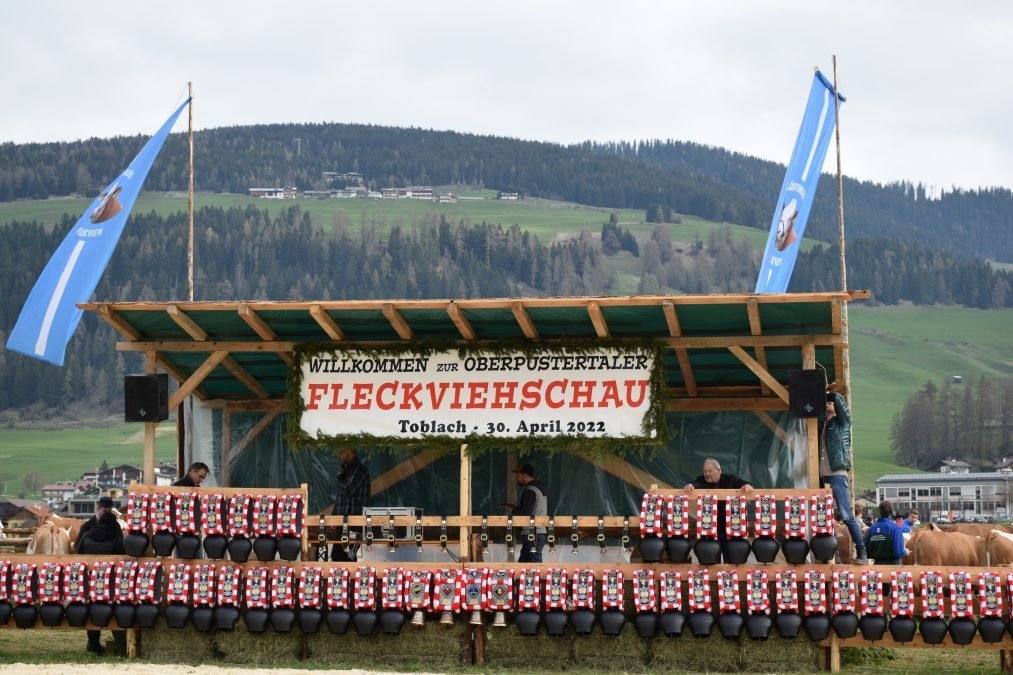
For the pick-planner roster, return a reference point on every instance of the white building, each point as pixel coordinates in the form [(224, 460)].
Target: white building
[(954, 495)]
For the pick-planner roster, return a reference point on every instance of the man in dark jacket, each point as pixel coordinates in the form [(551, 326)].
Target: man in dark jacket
[(104, 506), (534, 502), (713, 479), (884, 541), (105, 538), (195, 475), (351, 496)]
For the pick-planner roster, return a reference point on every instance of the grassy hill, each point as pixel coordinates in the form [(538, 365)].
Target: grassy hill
[(895, 350)]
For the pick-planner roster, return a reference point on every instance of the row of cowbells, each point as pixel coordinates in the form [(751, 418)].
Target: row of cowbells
[(736, 550), (215, 546)]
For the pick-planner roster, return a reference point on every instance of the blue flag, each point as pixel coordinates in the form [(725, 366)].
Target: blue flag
[(50, 315), (799, 189)]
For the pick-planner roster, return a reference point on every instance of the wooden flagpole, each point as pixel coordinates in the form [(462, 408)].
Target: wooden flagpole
[(845, 356), (189, 241)]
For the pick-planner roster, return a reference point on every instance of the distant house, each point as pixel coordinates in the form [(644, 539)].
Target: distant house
[(419, 192), (389, 193), (20, 513), (318, 194), (267, 193), (121, 475), (954, 466), (58, 492), (447, 198), (507, 195), (1005, 465), (374, 194)]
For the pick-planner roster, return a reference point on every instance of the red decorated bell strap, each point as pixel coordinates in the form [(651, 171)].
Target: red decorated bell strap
[(204, 585), (289, 520), (555, 588), (902, 594), (707, 516), (230, 580), (699, 591), (74, 582), (186, 513), (126, 577), (100, 584), (650, 514), (728, 592), (612, 589), (787, 591), (757, 595), (822, 514), (645, 595), (309, 587), (448, 585), (239, 515), (815, 592), (528, 585), (178, 589), (678, 515), (211, 509), (795, 510), (417, 595), (671, 591), (961, 595), (933, 589), (736, 524), (844, 591), (160, 512), (283, 583), (50, 588), (23, 583), (257, 581), (365, 588), (582, 590), (5, 568), (766, 515), (263, 515), (391, 588), (473, 591), (872, 592), (137, 512), (337, 588), (148, 587), (500, 590), (990, 594)]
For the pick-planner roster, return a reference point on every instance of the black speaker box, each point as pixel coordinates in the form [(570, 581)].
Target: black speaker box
[(807, 393), (146, 398)]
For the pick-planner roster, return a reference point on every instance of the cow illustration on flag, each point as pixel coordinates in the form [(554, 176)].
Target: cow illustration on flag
[(798, 189), (50, 315)]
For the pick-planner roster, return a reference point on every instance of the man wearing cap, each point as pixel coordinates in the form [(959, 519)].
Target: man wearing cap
[(102, 507), (534, 502)]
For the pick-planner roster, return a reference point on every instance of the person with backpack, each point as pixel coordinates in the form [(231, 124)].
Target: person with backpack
[(104, 538)]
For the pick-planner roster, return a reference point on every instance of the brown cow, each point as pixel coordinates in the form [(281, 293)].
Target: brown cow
[(49, 539), (999, 547), (931, 546), (974, 529)]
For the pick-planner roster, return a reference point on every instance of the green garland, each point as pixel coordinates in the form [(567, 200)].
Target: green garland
[(596, 448)]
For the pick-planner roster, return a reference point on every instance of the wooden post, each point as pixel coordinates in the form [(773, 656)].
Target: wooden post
[(812, 431), (226, 449), (150, 428), (305, 520), (465, 510), (133, 643), (511, 478), (1005, 661), (833, 654)]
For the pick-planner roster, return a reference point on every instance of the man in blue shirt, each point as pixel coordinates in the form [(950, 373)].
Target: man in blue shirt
[(884, 541), (910, 523)]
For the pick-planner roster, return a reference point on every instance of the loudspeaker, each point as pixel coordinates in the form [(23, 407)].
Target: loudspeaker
[(146, 398), (807, 393)]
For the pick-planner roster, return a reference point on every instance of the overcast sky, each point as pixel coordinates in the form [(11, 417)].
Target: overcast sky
[(925, 81)]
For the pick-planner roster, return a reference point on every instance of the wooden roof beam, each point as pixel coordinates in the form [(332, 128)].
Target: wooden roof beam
[(598, 319), (461, 321), (325, 321), (118, 323), (769, 422), (675, 330), (191, 383), (628, 473), (186, 323), (756, 328), (241, 374), (524, 320), (397, 321), (760, 372), (264, 331)]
